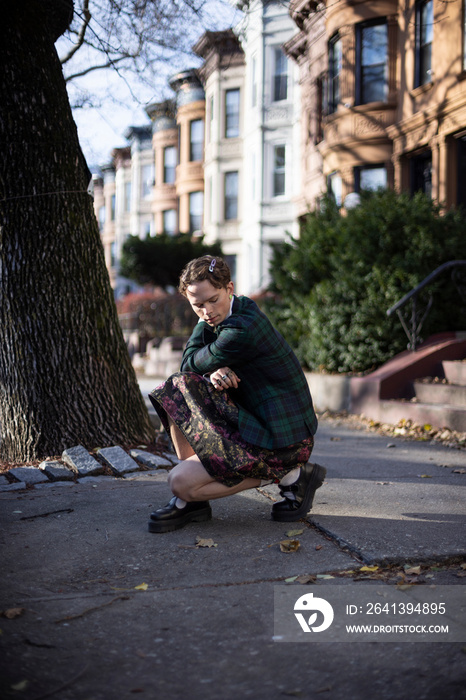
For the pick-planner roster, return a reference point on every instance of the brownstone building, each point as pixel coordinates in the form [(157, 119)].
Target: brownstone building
[(384, 96)]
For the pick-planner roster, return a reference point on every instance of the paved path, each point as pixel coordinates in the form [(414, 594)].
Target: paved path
[(108, 611)]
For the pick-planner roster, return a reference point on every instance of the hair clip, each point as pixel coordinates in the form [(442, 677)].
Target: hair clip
[(213, 262)]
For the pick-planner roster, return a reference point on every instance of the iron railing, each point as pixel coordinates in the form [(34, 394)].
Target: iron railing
[(413, 319)]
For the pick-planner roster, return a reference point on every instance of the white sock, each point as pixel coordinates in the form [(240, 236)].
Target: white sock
[(291, 477), (179, 503)]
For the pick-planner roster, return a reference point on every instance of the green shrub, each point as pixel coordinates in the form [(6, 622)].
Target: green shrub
[(335, 284)]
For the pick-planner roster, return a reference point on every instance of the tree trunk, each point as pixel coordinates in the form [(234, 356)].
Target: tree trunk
[(65, 373)]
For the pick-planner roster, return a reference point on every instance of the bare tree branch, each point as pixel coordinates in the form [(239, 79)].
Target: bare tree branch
[(81, 34)]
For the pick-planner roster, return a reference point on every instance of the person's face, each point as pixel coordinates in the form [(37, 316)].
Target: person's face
[(208, 302)]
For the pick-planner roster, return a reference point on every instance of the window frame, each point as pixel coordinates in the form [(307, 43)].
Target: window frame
[(333, 80), (232, 118), (361, 168), (361, 97), (169, 168), (196, 146), (420, 48), (164, 220), (192, 214), (230, 200), (278, 172), (280, 75)]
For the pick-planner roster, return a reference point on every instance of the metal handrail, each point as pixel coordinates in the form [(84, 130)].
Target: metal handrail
[(415, 322)]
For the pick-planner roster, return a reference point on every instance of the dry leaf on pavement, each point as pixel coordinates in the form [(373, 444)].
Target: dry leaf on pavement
[(11, 613), (289, 545), (208, 542)]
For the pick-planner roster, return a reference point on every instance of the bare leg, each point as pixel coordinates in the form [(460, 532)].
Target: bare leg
[(182, 447), (191, 482)]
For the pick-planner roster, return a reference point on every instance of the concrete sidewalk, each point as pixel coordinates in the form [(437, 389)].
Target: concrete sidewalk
[(106, 610)]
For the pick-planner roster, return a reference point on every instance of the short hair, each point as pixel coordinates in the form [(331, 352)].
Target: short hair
[(207, 267)]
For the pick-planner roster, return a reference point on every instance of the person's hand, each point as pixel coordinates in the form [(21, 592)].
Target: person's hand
[(224, 378)]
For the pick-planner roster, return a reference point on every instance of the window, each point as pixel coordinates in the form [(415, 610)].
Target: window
[(127, 196), (113, 255), (334, 187), (196, 140), (370, 178), (278, 171), (169, 222), (231, 114), (280, 76), (211, 117), (147, 181), (169, 164), (196, 207), (464, 35), (254, 82), (335, 59), (231, 195), (461, 171), (371, 63), (101, 216), (424, 35), (320, 108), (421, 173), (112, 207)]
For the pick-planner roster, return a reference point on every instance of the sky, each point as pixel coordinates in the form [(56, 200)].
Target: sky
[(114, 104)]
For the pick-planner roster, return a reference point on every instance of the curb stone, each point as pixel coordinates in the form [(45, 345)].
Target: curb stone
[(55, 473), (28, 475), (80, 461), (118, 460), (150, 460)]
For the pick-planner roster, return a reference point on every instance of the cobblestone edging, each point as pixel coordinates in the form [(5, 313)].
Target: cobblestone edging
[(77, 465)]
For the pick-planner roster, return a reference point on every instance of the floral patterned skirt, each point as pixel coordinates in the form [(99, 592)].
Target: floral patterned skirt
[(208, 419)]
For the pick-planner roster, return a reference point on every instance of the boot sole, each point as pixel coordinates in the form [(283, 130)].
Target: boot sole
[(315, 482), (171, 525)]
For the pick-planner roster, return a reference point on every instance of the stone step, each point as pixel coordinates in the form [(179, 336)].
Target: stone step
[(437, 393), (455, 371), (437, 415)]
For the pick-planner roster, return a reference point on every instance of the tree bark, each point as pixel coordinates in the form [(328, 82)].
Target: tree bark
[(65, 373)]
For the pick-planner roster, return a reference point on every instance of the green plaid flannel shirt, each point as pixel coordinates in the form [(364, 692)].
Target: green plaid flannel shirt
[(273, 397)]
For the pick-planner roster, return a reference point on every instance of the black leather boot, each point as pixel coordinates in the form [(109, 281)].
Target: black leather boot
[(170, 517), (298, 497)]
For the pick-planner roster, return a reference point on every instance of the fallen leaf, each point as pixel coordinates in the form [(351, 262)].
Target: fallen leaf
[(368, 568), (404, 586), (412, 570), (201, 542), (11, 613), (293, 533), (324, 576), (291, 580), (463, 565), (306, 579), (335, 439), (289, 545), (22, 685), (141, 587), (319, 546), (459, 471), (427, 427), (425, 476)]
